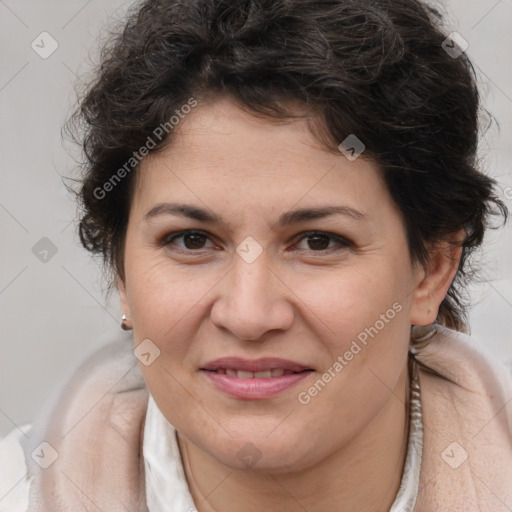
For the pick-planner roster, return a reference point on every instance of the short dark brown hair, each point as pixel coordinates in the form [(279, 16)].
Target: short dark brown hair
[(376, 69)]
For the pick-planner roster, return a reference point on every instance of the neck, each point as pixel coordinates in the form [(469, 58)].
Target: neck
[(365, 475)]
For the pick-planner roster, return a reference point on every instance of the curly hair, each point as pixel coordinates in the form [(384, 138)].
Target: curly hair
[(373, 68)]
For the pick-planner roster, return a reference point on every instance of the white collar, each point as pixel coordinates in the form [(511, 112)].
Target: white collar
[(166, 485)]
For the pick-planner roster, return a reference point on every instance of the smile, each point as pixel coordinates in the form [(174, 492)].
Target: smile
[(264, 374), (246, 385)]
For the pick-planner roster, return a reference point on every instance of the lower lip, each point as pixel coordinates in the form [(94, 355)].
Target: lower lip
[(255, 388)]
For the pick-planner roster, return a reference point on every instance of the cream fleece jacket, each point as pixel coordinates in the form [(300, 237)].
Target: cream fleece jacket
[(96, 425)]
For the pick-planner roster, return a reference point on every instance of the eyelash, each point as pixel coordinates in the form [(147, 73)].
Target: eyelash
[(168, 240)]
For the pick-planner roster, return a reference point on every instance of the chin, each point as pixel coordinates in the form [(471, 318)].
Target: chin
[(275, 453)]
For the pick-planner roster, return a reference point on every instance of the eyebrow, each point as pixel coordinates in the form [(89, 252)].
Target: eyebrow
[(286, 219)]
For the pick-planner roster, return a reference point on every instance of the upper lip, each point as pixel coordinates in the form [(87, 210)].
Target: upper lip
[(254, 365)]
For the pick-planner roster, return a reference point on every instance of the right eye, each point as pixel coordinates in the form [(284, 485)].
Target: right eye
[(193, 241)]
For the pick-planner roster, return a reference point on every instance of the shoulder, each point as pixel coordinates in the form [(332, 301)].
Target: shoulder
[(14, 480), (466, 374), (466, 395), (467, 363)]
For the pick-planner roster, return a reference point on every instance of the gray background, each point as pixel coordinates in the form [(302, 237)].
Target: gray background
[(53, 314)]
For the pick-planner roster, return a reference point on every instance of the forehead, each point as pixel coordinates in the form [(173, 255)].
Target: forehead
[(222, 154)]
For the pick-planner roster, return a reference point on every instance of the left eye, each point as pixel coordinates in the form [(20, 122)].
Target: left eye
[(319, 241), (193, 241)]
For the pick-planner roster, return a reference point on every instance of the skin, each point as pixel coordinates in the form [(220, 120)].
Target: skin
[(297, 301)]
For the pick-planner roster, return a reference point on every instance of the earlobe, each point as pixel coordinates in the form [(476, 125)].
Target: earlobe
[(436, 279)]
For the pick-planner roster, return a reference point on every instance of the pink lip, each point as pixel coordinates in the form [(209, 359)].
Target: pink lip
[(255, 388)]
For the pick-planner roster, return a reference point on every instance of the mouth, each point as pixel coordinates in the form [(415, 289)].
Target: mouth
[(263, 374), (254, 379), (263, 364)]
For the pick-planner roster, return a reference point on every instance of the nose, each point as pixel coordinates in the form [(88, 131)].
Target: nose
[(253, 300)]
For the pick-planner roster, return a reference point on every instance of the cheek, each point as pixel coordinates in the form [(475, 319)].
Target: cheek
[(366, 326), (166, 309), (362, 320), (164, 297), (346, 305)]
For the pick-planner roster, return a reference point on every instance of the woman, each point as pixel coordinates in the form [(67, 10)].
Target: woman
[(286, 197)]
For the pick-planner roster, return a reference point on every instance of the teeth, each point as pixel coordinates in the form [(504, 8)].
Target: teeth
[(263, 375), (266, 374), (244, 375)]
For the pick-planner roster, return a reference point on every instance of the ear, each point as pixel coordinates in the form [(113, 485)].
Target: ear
[(435, 279)]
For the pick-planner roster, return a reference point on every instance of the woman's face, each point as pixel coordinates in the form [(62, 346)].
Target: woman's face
[(334, 307)]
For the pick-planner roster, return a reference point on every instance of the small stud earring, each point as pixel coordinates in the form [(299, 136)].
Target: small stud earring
[(123, 323)]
